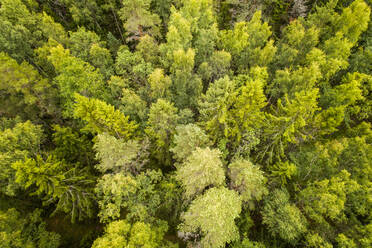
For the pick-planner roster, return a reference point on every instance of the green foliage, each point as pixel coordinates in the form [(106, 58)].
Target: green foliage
[(18, 231), (133, 106), (325, 199), (237, 123), (228, 112), (248, 180), (290, 122), (102, 117), (159, 84), (245, 109), (72, 146), (74, 76), (186, 86), (246, 243), (23, 30), (132, 66), (81, 41), (123, 234), (23, 90), (213, 215), (55, 182), (216, 67), (161, 127), (283, 218), (203, 27), (249, 44), (283, 171), (187, 139), (83, 13), (139, 197), (137, 18), (212, 108), (116, 155), (203, 168), (16, 143)]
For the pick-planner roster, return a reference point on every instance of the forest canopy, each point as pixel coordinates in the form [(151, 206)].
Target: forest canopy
[(185, 123)]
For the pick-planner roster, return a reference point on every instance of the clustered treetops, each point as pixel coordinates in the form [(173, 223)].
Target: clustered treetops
[(185, 123)]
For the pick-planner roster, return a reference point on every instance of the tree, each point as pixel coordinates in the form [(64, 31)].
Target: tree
[(162, 9), (186, 86), (291, 81), (245, 109), (160, 85), (213, 214), (237, 123), (116, 155), (283, 218), (56, 182), (161, 127), (216, 67), (72, 146), (191, 40), (139, 196), (326, 199), (132, 67), (296, 42), (74, 76), (202, 169), (24, 139), (148, 49), (340, 102), (86, 13), (228, 112), (249, 44), (14, 40), (26, 231), (248, 180), (133, 106), (101, 58), (187, 139), (24, 90), (88, 46), (81, 41), (283, 171), (23, 30), (122, 234), (246, 243), (178, 37), (137, 18), (212, 106), (291, 122), (203, 27), (102, 117)]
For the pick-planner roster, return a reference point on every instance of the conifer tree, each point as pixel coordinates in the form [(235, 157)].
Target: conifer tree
[(102, 117)]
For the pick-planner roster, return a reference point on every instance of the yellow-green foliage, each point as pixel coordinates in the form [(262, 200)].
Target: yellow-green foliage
[(213, 215), (123, 234), (248, 180), (202, 168), (102, 117), (283, 218), (16, 143)]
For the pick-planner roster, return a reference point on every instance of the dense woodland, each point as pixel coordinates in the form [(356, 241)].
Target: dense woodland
[(185, 123)]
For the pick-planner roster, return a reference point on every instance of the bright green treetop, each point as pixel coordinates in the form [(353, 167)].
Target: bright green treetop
[(213, 215), (248, 180), (203, 168), (102, 117)]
